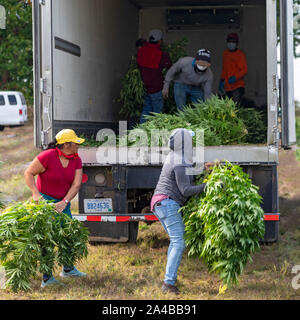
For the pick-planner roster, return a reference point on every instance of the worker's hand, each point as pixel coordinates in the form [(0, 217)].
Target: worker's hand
[(232, 80), (165, 93), (60, 206), (36, 196)]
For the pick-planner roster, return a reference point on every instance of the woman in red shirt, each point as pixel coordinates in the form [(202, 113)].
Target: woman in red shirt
[(59, 175)]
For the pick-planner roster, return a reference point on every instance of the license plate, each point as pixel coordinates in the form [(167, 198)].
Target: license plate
[(97, 205)]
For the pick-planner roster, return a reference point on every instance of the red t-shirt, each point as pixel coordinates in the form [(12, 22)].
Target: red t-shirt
[(56, 180)]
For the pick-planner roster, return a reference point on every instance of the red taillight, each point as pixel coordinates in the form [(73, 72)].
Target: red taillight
[(20, 112), (84, 178)]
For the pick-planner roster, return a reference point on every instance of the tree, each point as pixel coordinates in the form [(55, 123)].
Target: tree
[(296, 27), (16, 67)]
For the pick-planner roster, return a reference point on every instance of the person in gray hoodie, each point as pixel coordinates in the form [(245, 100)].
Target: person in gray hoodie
[(192, 77), (172, 191)]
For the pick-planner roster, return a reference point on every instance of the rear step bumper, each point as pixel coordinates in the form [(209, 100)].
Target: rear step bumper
[(141, 217)]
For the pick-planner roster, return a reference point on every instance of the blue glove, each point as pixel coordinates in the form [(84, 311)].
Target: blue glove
[(232, 80), (222, 85)]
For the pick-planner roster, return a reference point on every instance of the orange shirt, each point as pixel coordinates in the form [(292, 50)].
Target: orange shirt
[(234, 64)]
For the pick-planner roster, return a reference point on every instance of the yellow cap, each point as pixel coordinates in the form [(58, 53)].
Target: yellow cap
[(68, 135)]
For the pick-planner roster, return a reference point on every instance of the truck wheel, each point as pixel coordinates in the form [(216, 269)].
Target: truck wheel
[(133, 231)]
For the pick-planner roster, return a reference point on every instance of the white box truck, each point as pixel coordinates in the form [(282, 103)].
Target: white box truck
[(82, 49)]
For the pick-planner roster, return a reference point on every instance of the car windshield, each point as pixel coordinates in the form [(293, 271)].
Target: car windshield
[(2, 101)]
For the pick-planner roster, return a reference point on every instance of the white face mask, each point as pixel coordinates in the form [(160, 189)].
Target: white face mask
[(201, 68), (231, 46)]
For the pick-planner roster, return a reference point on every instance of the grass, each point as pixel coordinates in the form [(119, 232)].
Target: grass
[(124, 271)]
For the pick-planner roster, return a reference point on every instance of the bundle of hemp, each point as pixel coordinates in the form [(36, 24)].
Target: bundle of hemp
[(34, 237), (216, 117), (226, 222)]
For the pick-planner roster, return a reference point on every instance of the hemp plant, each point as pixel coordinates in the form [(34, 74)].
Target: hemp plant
[(34, 237), (225, 224)]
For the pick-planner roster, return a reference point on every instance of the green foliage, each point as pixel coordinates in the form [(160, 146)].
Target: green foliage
[(16, 49), (33, 237), (256, 123), (176, 49), (217, 117), (1, 203), (132, 91), (225, 223)]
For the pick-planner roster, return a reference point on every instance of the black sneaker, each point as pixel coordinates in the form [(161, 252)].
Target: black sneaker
[(169, 288)]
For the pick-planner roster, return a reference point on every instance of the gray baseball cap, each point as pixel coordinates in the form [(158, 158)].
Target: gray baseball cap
[(155, 35)]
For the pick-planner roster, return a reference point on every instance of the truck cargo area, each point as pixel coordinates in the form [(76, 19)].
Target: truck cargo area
[(95, 39)]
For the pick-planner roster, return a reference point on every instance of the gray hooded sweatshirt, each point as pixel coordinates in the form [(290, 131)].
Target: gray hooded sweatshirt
[(174, 180)]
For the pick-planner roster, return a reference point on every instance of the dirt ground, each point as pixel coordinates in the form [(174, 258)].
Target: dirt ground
[(268, 277)]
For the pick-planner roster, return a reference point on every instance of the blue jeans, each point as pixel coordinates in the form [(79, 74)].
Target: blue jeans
[(152, 103), (170, 218), (181, 91)]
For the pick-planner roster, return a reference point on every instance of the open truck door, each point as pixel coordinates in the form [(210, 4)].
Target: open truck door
[(42, 43), (287, 101)]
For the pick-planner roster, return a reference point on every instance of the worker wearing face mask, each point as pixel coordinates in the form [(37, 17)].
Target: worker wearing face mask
[(192, 77), (234, 70)]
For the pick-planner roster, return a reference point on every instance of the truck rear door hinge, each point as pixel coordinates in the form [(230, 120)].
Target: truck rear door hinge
[(277, 134), (42, 2), (43, 85)]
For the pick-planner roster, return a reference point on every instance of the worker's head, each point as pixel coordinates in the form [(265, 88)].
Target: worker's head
[(232, 41), (181, 143), (155, 36), (202, 60), (139, 43), (67, 139)]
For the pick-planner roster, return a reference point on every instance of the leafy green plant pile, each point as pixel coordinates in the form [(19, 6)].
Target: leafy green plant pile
[(132, 88), (225, 223), (1, 203), (256, 124), (217, 117), (132, 91), (34, 237)]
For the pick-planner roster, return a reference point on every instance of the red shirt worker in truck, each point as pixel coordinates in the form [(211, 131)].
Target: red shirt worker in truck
[(151, 61), (234, 70)]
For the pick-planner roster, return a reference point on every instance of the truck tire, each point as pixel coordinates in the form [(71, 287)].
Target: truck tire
[(133, 231)]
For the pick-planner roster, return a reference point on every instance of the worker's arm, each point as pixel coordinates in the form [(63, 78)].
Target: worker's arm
[(207, 86), (34, 169), (184, 184), (61, 205), (176, 68)]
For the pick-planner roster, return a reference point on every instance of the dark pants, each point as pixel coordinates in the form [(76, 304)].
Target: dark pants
[(236, 95), (152, 103)]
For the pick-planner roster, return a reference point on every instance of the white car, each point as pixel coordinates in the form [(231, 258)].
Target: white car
[(13, 109)]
